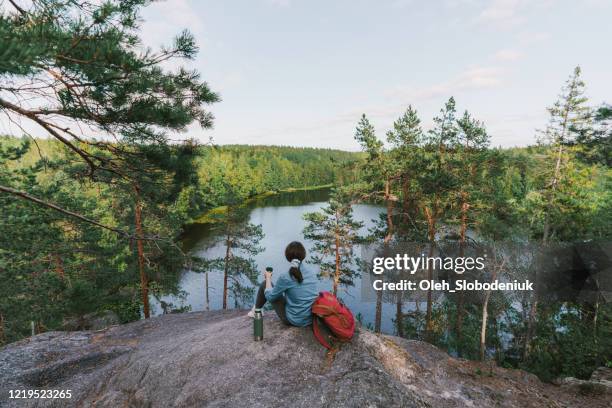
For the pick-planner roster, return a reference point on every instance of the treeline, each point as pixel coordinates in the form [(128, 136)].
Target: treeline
[(447, 186), (229, 174)]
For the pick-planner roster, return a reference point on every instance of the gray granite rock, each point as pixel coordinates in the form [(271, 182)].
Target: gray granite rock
[(209, 359)]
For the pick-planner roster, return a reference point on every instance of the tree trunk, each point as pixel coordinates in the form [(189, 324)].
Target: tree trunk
[(553, 187), (59, 266), (378, 314), (483, 326), (533, 311), (228, 255), (390, 206), (595, 315), (2, 336), (207, 297), (461, 301), (429, 312), (531, 319), (405, 202), (399, 315), (431, 226), (144, 282), (337, 251)]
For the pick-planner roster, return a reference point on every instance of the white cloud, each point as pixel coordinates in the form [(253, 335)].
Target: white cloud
[(508, 55), (506, 14), (339, 127), (163, 20), (473, 78)]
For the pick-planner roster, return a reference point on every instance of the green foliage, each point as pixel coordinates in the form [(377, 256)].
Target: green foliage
[(448, 184), (334, 233), (568, 343), (240, 240), (83, 71), (236, 173), (595, 143)]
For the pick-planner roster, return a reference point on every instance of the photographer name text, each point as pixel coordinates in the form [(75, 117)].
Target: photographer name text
[(459, 285)]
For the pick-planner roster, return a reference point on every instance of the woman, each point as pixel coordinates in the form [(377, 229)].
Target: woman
[(294, 292)]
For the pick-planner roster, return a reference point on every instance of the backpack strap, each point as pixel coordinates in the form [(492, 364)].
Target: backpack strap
[(316, 329)]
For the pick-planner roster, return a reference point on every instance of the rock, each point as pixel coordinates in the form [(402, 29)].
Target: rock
[(210, 359), (594, 386), (602, 374), (92, 321)]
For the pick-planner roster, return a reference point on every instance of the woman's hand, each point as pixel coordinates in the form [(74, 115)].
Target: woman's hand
[(268, 278)]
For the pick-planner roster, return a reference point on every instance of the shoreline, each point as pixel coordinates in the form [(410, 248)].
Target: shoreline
[(208, 217)]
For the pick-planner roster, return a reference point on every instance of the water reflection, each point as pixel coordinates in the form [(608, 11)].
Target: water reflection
[(281, 218)]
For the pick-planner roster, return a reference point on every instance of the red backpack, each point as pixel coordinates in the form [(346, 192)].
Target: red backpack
[(336, 317)]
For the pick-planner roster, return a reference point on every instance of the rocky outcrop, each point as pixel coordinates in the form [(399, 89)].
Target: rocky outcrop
[(600, 383), (91, 321), (210, 360)]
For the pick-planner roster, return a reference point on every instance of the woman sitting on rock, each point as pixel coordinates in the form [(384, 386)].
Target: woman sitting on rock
[(294, 292)]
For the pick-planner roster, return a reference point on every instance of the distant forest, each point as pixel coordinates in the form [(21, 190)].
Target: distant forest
[(235, 172)]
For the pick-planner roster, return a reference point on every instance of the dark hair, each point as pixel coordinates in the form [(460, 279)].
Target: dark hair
[(295, 250)]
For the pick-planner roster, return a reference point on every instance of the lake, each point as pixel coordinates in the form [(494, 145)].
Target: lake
[(280, 216)]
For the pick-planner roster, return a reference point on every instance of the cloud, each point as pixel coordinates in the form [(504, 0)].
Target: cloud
[(343, 122), (508, 55), (163, 20), (473, 78), (279, 3), (506, 14)]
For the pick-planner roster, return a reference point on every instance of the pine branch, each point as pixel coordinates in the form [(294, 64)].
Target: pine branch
[(19, 9), (26, 196)]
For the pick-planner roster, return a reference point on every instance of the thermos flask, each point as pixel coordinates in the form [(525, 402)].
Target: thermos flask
[(258, 321), (258, 325)]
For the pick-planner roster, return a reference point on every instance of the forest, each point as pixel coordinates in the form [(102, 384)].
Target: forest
[(95, 201), (446, 189)]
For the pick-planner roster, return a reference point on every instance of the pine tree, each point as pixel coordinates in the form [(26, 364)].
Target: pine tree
[(406, 138), (67, 67), (334, 233), (380, 172), (438, 182), (569, 118), (240, 240), (471, 155)]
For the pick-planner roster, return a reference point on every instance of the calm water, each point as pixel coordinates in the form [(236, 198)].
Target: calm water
[(281, 219)]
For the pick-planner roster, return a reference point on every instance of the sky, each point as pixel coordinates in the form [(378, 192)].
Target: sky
[(301, 72)]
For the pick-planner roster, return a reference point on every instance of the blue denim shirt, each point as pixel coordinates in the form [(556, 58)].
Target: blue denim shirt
[(298, 296)]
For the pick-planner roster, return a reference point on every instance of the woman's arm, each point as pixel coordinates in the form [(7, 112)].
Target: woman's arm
[(274, 292)]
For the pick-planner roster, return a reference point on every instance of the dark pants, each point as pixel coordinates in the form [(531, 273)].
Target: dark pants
[(278, 304)]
